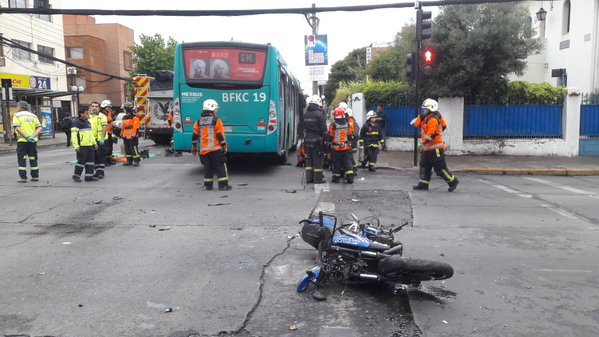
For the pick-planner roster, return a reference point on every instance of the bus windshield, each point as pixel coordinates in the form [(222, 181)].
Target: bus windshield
[(210, 65)]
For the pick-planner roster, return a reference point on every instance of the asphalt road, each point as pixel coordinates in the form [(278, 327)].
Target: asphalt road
[(109, 258)]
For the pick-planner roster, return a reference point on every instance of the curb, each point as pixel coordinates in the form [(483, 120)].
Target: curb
[(10, 149), (511, 171)]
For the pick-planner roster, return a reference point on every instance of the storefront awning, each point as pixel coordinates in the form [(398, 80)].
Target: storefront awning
[(40, 93)]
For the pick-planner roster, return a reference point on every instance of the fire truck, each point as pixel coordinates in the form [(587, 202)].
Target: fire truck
[(154, 101)]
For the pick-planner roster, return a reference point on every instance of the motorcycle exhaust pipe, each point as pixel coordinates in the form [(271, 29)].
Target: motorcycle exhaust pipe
[(368, 276)]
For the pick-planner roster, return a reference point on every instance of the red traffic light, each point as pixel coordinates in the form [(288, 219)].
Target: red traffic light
[(429, 56)]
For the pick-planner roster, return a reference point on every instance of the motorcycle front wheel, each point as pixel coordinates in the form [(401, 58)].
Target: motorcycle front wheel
[(407, 269)]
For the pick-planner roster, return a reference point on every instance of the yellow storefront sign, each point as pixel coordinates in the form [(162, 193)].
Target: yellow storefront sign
[(27, 81)]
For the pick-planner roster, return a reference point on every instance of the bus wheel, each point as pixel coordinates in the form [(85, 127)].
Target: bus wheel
[(282, 159)]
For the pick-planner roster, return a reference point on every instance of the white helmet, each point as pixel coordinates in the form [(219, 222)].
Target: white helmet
[(430, 104), (105, 103), (314, 99), (342, 105), (370, 114), (210, 105), (349, 112)]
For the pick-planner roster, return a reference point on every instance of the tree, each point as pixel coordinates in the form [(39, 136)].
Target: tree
[(350, 69), (390, 65), (477, 46), (153, 54)]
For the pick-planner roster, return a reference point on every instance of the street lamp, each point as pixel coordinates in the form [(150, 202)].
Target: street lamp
[(541, 14), (77, 89)]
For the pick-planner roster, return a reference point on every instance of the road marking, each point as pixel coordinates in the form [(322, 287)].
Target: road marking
[(325, 207), (509, 190), (566, 270), (560, 212), (563, 187), (319, 188)]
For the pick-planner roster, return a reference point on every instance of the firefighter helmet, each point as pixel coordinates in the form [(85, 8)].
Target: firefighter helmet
[(128, 107), (105, 103), (430, 104), (210, 105), (342, 105), (370, 114), (339, 113), (314, 99)]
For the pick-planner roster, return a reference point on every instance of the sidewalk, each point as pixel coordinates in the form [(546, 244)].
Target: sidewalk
[(60, 139), (499, 165)]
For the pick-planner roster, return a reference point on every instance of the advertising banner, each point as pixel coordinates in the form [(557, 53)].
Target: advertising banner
[(27, 82), (316, 50), (225, 64), (46, 120)]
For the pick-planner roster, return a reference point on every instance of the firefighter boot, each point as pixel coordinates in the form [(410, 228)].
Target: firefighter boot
[(224, 186), (422, 186), (453, 184)]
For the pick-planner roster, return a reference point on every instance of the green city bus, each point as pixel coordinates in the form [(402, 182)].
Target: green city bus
[(260, 101)]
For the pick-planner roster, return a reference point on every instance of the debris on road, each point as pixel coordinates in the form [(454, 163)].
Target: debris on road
[(164, 229), (220, 204), (292, 327)]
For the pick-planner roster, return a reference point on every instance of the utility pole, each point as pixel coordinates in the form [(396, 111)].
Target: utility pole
[(313, 21), (417, 80)]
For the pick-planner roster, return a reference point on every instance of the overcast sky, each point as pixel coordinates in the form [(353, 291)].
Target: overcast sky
[(346, 31)]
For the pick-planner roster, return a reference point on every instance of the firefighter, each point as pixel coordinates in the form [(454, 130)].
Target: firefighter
[(209, 132), (371, 137), (85, 145), (27, 128), (433, 147), (341, 133), (99, 124), (106, 109), (130, 135), (354, 142), (315, 135)]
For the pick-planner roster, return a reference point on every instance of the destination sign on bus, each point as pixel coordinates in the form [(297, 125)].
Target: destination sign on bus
[(225, 64)]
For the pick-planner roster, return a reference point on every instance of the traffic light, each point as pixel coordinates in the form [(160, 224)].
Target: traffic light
[(428, 61), (424, 25), (411, 71)]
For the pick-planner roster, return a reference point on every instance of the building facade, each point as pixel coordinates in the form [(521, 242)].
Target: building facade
[(569, 30), (40, 81), (102, 47)]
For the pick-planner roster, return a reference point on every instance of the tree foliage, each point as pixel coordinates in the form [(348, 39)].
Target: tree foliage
[(477, 46), (351, 69), (390, 65), (391, 93), (153, 54)]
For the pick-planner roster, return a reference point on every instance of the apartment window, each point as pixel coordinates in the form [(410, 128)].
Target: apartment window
[(566, 18), (47, 51), (20, 54), (45, 17), (75, 53), (127, 60), (17, 3)]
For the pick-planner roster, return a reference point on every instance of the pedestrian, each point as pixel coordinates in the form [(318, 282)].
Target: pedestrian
[(209, 132), (85, 145), (354, 141), (130, 135), (65, 124), (315, 135), (27, 129), (99, 123), (382, 119), (433, 148), (341, 133), (106, 109), (371, 138)]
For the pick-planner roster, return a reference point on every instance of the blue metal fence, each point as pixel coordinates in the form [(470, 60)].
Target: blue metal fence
[(398, 124), (518, 121), (589, 121)]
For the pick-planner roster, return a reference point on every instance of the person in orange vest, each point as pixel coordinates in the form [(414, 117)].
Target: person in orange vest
[(342, 133), (433, 147), (209, 132), (130, 135)]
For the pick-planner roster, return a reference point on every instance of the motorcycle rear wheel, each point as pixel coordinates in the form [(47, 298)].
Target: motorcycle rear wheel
[(409, 270)]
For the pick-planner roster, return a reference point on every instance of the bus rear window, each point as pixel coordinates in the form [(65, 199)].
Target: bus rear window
[(230, 65)]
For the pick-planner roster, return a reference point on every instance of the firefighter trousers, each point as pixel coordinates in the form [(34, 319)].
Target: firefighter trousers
[(314, 161), (131, 151), (370, 155), (25, 151), (108, 150), (434, 159), (343, 162), (99, 161), (214, 162), (85, 159)]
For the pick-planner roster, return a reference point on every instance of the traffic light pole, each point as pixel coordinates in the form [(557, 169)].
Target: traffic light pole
[(417, 80)]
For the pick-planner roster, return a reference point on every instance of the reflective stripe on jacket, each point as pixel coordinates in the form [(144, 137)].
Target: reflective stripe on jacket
[(371, 134), (432, 131), (82, 133), (130, 127), (340, 131), (209, 131)]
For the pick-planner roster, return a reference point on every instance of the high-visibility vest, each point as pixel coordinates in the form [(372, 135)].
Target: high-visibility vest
[(208, 129), (340, 132), (27, 122), (130, 127), (432, 131), (82, 133)]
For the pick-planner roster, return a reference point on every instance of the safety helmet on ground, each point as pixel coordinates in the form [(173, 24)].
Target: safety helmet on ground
[(349, 112), (210, 105), (370, 114), (314, 99), (105, 103), (128, 107), (342, 105), (430, 104), (339, 113)]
